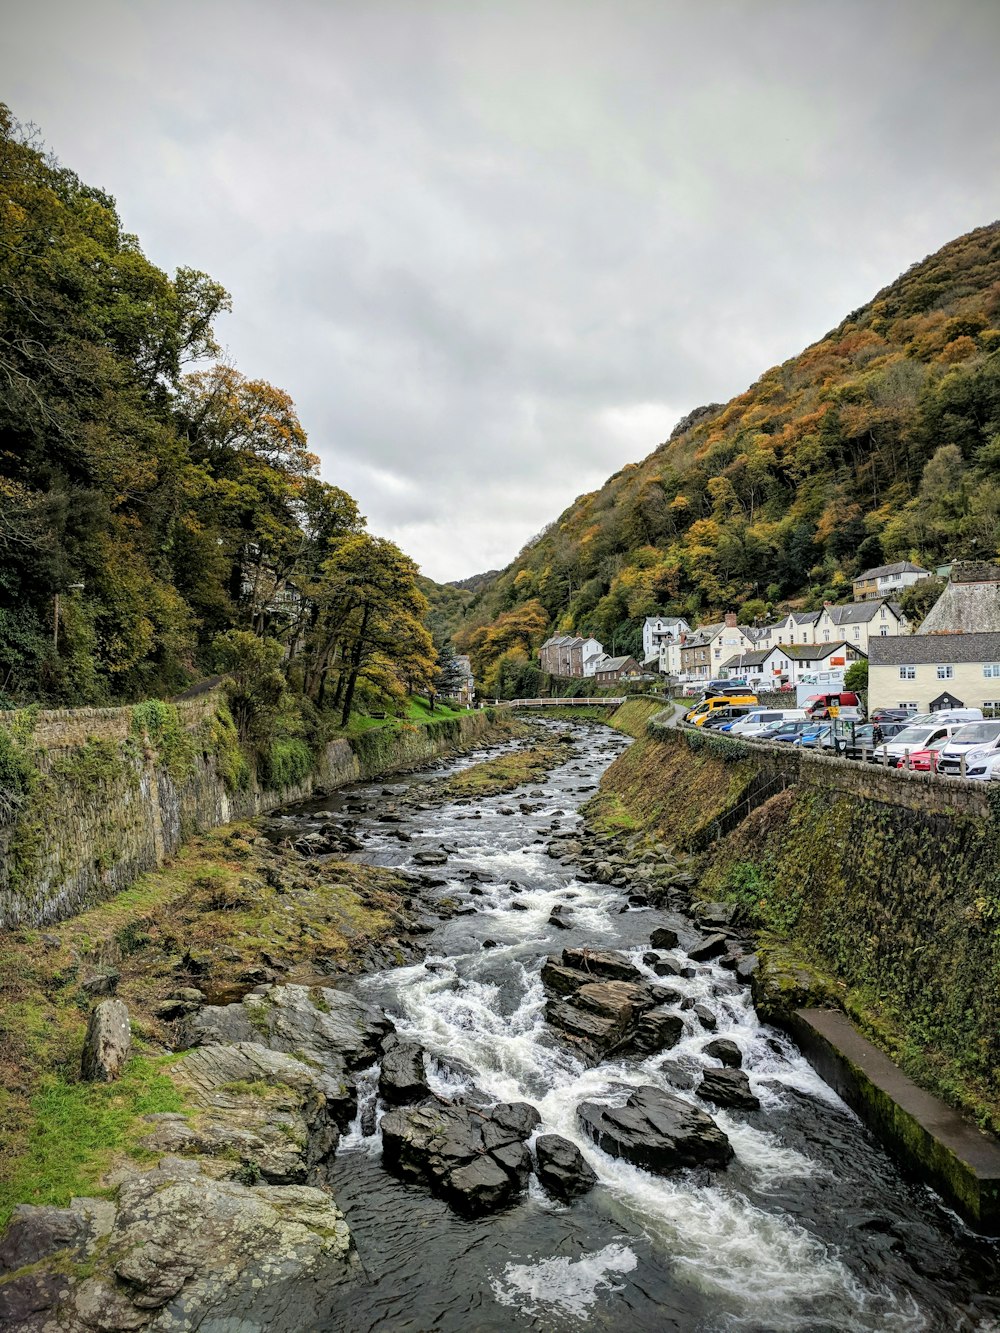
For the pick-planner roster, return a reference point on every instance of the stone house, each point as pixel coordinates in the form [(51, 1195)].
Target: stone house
[(612, 670), (569, 655), (704, 651)]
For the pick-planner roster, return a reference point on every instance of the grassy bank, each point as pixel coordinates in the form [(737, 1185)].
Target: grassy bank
[(203, 920)]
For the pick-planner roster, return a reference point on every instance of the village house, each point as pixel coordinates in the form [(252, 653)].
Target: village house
[(660, 630), (613, 670), (887, 580), (703, 652), (568, 655), (928, 671), (860, 622), (790, 664)]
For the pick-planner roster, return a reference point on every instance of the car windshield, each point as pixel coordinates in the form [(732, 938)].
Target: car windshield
[(914, 736), (977, 733)]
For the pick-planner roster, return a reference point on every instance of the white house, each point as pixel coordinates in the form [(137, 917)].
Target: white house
[(887, 580), (797, 627), (791, 664), (860, 622), (658, 630)]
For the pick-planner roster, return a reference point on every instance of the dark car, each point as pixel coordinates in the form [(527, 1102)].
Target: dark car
[(892, 715), (785, 731), (862, 741), (724, 717)]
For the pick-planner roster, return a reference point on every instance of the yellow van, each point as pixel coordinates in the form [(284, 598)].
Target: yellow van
[(707, 707)]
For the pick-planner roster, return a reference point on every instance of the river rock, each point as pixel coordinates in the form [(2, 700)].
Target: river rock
[(706, 1017), (656, 1131), (470, 1158), (663, 938), (331, 1025), (709, 947), (559, 980), (657, 1030), (728, 1087), (562, 1168), (108, 1043), (431, 857), (622, 1001), (402, 1079), (721, 1048), (603, 963)]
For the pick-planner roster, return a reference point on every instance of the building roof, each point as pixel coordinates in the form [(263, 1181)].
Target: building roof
[(919, 649), (753, 659), (964, 608), (809, 652), (856, 613), (665, 620), (883, 571), (616, 663)]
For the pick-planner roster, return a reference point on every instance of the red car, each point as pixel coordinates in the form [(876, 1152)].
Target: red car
[(921, 761)]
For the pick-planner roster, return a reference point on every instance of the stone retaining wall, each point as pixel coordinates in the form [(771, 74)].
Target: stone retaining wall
[(107, 805)]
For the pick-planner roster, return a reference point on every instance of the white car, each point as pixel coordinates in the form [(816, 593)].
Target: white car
[(968, 743), (984, 767), (759, 719), (894, 752)]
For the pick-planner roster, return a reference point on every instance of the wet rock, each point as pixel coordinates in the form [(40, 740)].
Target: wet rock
[(562, 1168), (559, 980), (431, 857), (560, 922), (709, 947), (402, 1079), (471, 1158), (651, 959), (602, 963), (705, 1017), (728, 1087), (656, 1131), (520, 1118), (657, 1030), (594, 1034), (621, 1001), (715, 915), (663, 938), (108, 1043), (666, 967), (747, 966), (491, 944), (721, 1048)]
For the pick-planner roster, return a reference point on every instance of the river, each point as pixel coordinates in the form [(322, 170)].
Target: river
[(812, 1227)]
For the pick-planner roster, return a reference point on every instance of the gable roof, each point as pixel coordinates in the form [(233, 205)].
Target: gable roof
[(809, 652), (920, 649), (856, 613), (883, 571), (616, 663), (755, 658), (964, 608)]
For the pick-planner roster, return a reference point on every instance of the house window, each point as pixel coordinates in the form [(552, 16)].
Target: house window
[(991, 669), (884, 632), (883, 613), (907, 673), (826, 636), (907, 703), (857, 631), (945, 672)]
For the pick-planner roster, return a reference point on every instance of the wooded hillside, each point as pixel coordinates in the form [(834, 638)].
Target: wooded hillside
[(879, 442)]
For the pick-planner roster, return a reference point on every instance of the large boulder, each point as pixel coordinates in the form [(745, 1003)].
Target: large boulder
[(562, 1168), (473, 1159), (728, 1087), (657, 1030), (722, 1048), (108, 1043), (602, 963), (402, 1079), (656, 1131), (559, 980), (324, 1023)]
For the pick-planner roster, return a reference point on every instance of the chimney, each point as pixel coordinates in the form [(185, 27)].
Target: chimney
[(731, 619), (827, 605)]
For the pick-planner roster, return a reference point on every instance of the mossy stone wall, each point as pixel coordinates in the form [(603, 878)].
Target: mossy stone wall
[(109, 800)]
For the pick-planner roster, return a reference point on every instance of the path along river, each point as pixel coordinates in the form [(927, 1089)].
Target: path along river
[(811, 1227)]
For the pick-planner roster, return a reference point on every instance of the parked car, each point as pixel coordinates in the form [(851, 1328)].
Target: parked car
[(758, 720), (967, 743), (817, 737), (721, 719), (859, 741), (710, 705), (924, 761), (913, 738), (984, 767), (785, 731), (893, 715), (821, 705)]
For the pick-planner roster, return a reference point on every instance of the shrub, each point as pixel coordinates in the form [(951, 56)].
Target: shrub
[(286, 763)]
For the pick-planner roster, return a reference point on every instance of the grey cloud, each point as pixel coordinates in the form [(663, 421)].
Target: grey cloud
[(495, 251)]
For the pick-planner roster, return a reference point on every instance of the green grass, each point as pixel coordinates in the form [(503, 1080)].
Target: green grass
[(418, 711), (78, 1127)]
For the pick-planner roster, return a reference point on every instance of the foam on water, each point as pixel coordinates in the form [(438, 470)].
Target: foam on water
[(570, 1286)]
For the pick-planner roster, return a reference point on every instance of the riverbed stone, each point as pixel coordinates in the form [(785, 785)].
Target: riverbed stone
[(108, 1043), (663, 938), (657, 1030), (562, 1167), (656, 1131), (467, 1156), (431, 857), (559, 980), (602, 962), (728, 1087), (722, 1048), (402, 1079), (706, 1017), (708, 948)]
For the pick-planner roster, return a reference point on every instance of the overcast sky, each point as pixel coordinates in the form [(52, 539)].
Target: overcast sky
[(495, 250)]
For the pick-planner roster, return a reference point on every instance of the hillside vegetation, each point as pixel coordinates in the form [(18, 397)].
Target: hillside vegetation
[(879, 442), (161, 515)]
